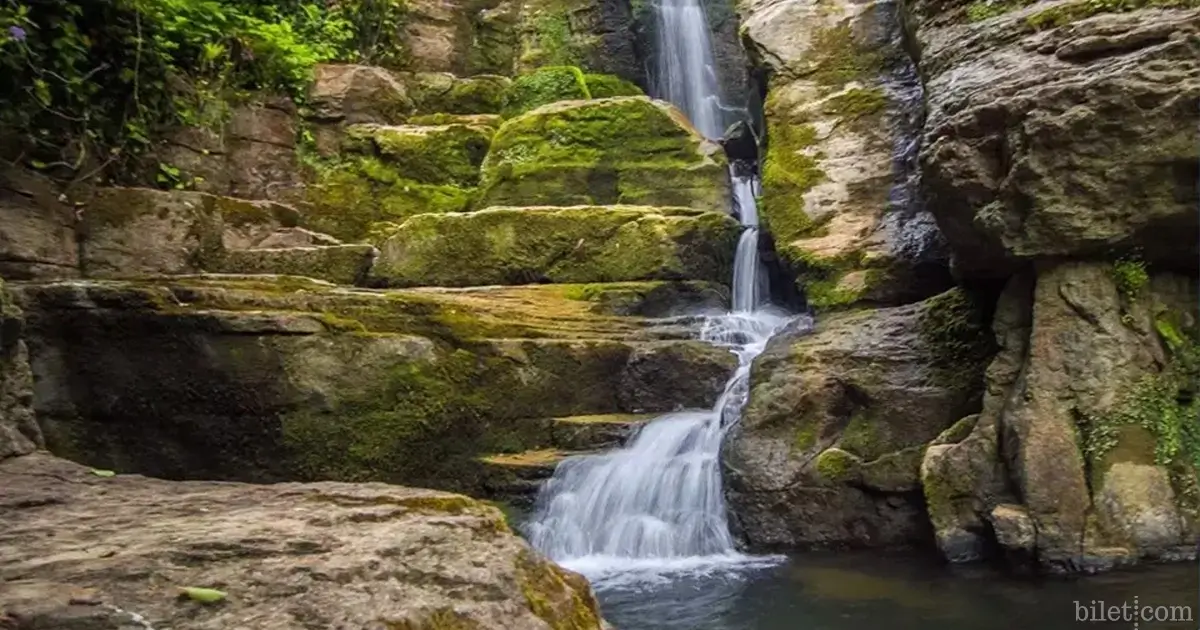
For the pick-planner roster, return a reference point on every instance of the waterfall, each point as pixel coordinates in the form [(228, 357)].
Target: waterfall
[(656, 505)]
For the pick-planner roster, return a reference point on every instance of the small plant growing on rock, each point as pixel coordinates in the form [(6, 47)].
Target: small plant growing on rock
[(1130, 275)]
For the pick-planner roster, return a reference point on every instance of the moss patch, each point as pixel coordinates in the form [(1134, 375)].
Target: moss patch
[(545, 86), (567, 245), (955, 329), (837, 466), (836, 57), (348, 195), (446, 155), (790, 169), (609, 151), (562, 599)]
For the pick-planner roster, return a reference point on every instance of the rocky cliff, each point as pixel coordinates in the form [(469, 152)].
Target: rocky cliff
[(1055, 158)]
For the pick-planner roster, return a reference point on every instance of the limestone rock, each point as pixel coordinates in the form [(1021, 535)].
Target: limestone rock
[(261, 150), (19, 431), (319, 555), (843, 113), (1015, 530), (445, 93), (961, 481), (1061, 131), (275, 378), (37, 230), (829, 449), (295, 237), (561, 245), (628, 150)]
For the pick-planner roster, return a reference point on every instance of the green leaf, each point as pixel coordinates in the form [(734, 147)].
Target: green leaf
[(203, 595), (103, 473)]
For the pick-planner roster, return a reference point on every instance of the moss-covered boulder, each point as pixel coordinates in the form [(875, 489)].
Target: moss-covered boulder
[(444, 93), (346, 195), (426, 154), (561, 245), (829, 450), (283, 378), (630, 150), (562, 83)]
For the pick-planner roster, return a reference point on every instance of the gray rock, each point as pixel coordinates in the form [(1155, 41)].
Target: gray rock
[(318, 555)]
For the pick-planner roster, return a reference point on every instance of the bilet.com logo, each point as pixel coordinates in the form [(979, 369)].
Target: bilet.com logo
[(1141, 616)]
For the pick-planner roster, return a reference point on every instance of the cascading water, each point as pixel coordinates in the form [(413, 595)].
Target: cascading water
[(656, 505)]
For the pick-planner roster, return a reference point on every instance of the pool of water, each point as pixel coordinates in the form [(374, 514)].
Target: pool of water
[(873, 591)]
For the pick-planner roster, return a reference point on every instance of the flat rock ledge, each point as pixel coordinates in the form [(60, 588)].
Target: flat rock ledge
[(89, 552)]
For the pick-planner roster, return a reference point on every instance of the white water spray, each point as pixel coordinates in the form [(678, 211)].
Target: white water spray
[(656, 506)]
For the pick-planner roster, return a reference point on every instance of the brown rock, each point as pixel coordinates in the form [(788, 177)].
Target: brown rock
[(316, 555), (37, 235), (19, 431)]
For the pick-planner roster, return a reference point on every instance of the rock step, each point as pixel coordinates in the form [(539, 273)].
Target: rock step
[(567, 245), (516, 477), (598, 431)]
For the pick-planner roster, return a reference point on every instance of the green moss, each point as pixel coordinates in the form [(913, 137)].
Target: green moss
[(1068, 12), (895, 472), (612, 151), (548, 40), (477, 120), (441, 619), (569, 245), (956, 337), (836, 58), (563, 600), (1165, 404), (837, 466), (856, 103), (474, 95), (865, 437), (805, 438), (544, 86), (1064, 14), (1130, 276), (447, 155), (348, 195), (608, 86), (958, 431), (343, 264), (791, 168), (241, 212)]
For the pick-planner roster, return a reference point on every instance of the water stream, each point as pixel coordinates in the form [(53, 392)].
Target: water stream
[(655, 510)]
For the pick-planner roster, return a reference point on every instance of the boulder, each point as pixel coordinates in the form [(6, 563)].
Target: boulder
[(445, 93), (357, 94), (317, 555), (561, 245), (339, 264), (19, 431), (629, 150), (562, 83), (128, 232), (442, 154), (843, 116), (1061, 130), (276, 378), (830, 446), (37, 229), (1105, 383)]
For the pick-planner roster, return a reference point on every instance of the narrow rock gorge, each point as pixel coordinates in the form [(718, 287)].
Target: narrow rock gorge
[(267, 272)]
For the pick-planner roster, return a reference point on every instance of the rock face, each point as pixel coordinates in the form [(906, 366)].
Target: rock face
[(37, 237), (286, 555), (19, 431), (1029, 148), (839, 180), (629, 150), (261, 378), (1093, 395), (829, 450), (562, 245)]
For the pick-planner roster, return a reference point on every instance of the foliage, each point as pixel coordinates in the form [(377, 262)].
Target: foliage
[(89, 83), (1166, 404), (1130, 276)]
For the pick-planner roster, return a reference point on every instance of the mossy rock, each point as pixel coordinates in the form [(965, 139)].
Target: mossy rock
[(339, 264), (628, 150), (347, 196), (442, 93), (562, 83), (609, 86), (560, 245), (442, 154)]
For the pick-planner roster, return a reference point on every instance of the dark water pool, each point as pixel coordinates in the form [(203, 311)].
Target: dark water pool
[(861, 591)]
